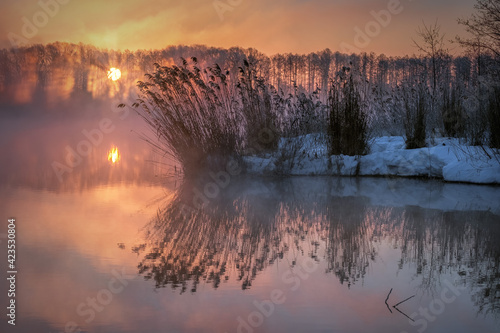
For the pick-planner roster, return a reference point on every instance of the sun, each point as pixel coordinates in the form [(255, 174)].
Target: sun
[(114, 155), (114, 74)]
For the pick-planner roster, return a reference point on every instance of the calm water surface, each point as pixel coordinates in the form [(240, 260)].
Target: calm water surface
[(114, 248)]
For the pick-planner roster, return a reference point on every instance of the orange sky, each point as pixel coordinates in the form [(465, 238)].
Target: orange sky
[(298, 26)]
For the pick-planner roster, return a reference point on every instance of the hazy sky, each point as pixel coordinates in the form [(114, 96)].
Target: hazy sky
[(271, 26)]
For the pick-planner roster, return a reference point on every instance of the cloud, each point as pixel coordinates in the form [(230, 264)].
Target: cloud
[(298, 26)]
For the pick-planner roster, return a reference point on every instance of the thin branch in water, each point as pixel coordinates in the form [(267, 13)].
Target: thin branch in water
[(389, 294), (394, 306), (404, 314)]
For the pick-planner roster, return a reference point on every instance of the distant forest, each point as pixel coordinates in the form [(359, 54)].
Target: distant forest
[(78, 66), (76, 69)]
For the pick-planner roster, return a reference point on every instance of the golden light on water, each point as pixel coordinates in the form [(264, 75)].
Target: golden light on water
[(114, 155), (114, 74)]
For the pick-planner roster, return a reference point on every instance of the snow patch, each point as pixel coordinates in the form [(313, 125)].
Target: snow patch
[(444, 158)]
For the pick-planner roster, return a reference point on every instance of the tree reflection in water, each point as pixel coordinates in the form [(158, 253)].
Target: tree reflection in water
[(256, 222)]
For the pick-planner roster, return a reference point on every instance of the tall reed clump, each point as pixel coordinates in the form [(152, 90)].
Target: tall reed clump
[(453, 114), (494, 118), (305, 113), (347, 123), (476, 108), (192, 113), (257, 100), (415, 104), (205, 117)]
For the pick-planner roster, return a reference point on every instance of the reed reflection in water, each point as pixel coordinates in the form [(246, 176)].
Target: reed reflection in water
[(256, 223)]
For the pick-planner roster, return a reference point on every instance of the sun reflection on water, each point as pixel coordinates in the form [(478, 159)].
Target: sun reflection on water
[(114, 155)]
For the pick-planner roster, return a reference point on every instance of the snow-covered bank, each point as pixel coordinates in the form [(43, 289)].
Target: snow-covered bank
[(443, 158)]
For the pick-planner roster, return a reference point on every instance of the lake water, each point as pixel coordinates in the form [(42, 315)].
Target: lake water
[(107, 247)]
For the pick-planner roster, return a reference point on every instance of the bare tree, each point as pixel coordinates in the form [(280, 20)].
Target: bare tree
[(484, 26), (432, 46)]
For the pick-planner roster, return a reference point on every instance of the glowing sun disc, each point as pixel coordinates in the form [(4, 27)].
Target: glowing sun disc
[(114, 74)]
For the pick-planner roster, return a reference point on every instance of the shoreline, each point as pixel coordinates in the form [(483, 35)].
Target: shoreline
[(444, 159)]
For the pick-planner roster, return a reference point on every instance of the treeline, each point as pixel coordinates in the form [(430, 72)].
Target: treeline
[(82, 68)]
